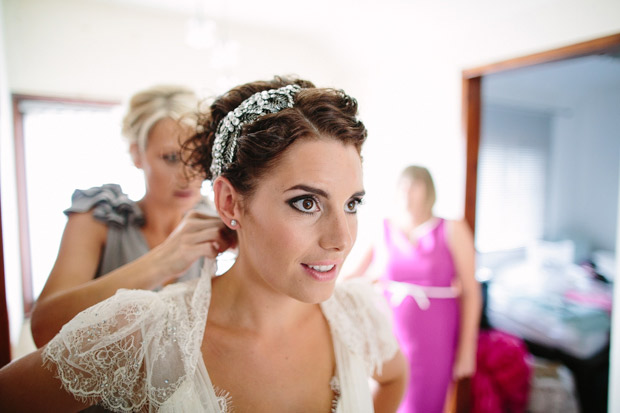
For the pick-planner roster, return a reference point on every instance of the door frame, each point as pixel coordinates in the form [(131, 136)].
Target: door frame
[(22, 211), (472, 101), (471, 121), (20, 172), (5, 341)]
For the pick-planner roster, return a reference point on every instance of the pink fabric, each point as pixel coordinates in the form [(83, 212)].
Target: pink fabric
[(428, 338), (502, 380), (602, 300)]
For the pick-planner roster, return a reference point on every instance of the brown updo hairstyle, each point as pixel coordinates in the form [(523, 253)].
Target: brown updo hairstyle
[(317, 113)]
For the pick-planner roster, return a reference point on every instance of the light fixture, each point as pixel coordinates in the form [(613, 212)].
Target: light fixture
[(201, 31), (203, 34)]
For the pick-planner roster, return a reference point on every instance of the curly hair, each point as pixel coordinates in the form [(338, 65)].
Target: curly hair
[(316, 113)]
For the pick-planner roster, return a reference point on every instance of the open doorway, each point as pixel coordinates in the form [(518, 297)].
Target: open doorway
[(513, 114)]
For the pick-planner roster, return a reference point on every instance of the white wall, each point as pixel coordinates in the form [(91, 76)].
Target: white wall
[(585, 171), (94, 48), (401, 59)]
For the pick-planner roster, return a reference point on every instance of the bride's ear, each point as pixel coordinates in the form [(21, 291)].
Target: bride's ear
[(227, 202)]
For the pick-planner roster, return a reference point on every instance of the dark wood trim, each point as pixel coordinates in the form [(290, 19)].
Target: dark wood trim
[(472, 100), (471, 129), (22, 207), (597, 46), (5, 333), (20, 172), (64, 100)]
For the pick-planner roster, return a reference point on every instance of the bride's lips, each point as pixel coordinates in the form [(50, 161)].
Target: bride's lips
[(321, 272)]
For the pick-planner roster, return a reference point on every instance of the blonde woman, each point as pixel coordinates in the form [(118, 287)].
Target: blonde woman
[(426, 265), (112, 242)]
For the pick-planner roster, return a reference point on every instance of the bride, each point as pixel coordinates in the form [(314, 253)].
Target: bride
[(276, 332)]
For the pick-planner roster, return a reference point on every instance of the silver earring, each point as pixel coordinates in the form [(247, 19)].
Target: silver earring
[(233, 222)]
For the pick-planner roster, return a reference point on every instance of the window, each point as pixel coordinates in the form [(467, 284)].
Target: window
[(512, 170), (65, 145)]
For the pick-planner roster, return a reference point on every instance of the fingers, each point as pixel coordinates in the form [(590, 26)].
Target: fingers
[(212, 250), (208, 249), (209, 228), (202, 213), (461, 372), (199, 235), (196, 221), (221, 238)]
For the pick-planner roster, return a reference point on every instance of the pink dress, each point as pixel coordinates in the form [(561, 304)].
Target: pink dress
[(418, 280)]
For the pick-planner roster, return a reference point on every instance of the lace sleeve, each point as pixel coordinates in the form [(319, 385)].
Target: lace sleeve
[(113, 352), (361, 318), (109, 204)]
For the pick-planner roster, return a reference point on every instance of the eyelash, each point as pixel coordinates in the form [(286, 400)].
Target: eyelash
[(171, 158), (357, 200), (298, 199)]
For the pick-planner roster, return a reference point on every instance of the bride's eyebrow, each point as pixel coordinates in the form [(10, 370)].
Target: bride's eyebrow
[(320, 192), (309, 189)]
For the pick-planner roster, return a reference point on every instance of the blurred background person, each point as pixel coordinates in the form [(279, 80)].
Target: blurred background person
[(426, 266), (112, 242)]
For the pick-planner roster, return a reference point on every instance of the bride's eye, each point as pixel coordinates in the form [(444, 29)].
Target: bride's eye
[(352, 205), (171, 158), (305, 204)]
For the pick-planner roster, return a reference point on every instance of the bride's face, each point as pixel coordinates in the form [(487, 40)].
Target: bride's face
[(300, 224)]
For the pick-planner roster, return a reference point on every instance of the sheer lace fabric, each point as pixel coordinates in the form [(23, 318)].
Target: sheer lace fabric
[(139, 351)]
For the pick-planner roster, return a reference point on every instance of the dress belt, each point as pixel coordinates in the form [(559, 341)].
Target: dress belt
[(420, 293)]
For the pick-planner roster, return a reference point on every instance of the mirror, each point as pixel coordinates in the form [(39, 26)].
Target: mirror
[(546, 213)]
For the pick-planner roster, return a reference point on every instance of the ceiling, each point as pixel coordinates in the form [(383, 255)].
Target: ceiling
[(273, 13), (552, 86), (299, 15)]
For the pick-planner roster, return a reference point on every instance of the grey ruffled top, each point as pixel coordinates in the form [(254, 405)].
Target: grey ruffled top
[(124, 219)]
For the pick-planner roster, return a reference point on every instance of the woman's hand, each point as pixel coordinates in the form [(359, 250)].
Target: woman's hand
[(461, 242), (71, 286), (464, 366), (198, 235)]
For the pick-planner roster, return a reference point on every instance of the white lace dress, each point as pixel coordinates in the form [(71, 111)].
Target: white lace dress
[(140, 350)]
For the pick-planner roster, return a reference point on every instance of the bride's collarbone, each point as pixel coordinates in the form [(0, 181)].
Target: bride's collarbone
[(285, 371)]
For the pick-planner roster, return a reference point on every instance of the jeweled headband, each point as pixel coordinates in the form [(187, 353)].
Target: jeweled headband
[(229, 128)]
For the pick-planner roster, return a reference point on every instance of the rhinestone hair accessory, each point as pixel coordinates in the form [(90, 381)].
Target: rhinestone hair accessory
[(229, 128)]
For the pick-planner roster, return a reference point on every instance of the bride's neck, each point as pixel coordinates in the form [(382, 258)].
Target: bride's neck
[(247, 305)]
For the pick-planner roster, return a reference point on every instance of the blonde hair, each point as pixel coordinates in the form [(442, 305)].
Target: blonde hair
[(151, 105), (420, 173)]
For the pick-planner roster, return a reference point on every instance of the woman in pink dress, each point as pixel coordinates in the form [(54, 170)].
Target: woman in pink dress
[(426, 266)]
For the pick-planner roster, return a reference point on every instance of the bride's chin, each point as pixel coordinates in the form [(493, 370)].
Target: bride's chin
[(317, 297)]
